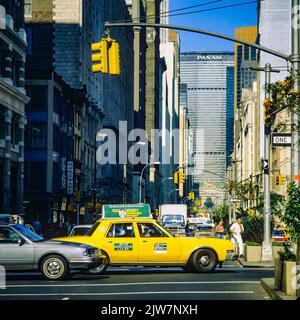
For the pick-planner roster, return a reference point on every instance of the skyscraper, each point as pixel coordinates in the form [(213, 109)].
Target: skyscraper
[(206, 75)]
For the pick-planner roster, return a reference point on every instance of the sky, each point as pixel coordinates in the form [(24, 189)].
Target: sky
[(222, 21)]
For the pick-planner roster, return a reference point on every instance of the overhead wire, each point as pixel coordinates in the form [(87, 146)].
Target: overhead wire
[(166, 14)]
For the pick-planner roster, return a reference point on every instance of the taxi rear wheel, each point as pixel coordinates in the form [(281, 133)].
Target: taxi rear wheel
[(204, 260)]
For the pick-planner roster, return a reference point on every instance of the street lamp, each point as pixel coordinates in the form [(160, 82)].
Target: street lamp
[(141, 177), (177, 189), (168, 178)]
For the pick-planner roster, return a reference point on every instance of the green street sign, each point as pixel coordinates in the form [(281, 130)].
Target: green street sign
[(126, 211)]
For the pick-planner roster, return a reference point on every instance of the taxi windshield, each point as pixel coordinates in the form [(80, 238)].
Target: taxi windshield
[(93, 229)]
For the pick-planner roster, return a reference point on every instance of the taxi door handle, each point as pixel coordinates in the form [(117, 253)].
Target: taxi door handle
[(110, 242), (145, 241)]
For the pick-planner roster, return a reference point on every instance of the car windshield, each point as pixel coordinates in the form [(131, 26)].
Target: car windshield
[(173, 219), (93, 229), (80, 231), (32, 236)]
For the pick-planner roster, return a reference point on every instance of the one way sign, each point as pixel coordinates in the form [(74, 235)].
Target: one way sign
[(265, 166)]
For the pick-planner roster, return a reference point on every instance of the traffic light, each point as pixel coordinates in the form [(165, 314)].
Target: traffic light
[(282, 180), (267, 112), (277, 180), (191, 196), (181, 177), (176, 177), (113, 57), (100, 56)]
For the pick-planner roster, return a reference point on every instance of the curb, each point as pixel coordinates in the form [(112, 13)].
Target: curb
[(246, 264), (268, 285)]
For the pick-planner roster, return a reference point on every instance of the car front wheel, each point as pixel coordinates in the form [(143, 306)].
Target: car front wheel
[(54, 267), (101, 268), (204, 260)]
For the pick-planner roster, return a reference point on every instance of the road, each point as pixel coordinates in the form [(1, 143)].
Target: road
[(232, 282)]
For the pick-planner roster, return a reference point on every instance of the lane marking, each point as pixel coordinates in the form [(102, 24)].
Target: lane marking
[(129, 284), (126, 293)]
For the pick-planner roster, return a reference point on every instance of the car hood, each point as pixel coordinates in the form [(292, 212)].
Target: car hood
[(87, 240), (61, 242)]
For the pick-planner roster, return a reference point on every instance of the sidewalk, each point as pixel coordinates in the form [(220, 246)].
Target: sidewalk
[(268, 285), (256, 264)]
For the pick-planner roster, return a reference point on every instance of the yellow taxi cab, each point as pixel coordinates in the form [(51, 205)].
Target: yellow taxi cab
[(143, 242)]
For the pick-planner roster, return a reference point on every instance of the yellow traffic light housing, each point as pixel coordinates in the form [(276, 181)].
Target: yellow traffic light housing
[(176, 180), (282, 180), (100, 56), (114, 57), (181, 177), (191, 196), (277, 180), (268, 103)]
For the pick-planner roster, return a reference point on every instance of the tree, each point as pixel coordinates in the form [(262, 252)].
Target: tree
[(221, 213), (291, 217)]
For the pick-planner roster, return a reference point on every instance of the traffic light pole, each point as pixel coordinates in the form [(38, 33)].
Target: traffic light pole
[(267, 251)]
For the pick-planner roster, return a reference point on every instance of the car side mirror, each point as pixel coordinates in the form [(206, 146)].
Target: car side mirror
[(21, 242)]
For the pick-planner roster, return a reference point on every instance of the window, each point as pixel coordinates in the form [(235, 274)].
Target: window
[(38, 95), (38, 134), (253, 54), (246, 52), (2, 125), (150, 230), (28, 8), (38, 175), (121, 230), (7, 235)]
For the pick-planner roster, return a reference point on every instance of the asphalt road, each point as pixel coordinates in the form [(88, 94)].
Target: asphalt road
[(232, 282)]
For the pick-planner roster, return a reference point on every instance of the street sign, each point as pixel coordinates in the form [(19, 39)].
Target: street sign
[(126, 211), (265, 166), (281, 139), (234, 200)]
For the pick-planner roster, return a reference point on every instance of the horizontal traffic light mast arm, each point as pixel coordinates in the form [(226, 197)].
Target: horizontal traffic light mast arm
[(201, 31)]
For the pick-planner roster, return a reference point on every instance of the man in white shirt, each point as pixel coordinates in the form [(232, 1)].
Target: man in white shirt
[(237, 229)]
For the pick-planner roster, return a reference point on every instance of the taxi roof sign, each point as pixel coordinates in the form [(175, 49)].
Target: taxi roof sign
[(126, 211)]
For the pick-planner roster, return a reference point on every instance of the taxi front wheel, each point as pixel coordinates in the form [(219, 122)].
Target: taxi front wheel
[(101, 268), (204, 260)]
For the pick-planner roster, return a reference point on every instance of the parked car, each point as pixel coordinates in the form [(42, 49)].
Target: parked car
[(143, 242), (6, 219), (80, 230), (24, 250)]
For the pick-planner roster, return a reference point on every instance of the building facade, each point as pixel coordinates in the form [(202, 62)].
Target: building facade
[(13, 98), (275, 33), (206, 76), (68, 29)]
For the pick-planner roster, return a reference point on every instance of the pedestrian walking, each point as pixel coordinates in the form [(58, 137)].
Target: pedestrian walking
[(237, 229), (219, 230), (37, 226)]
